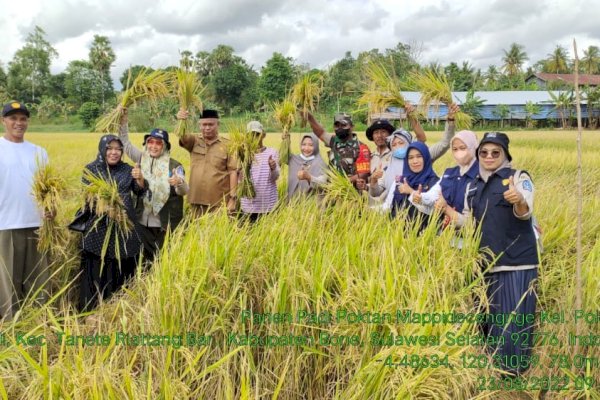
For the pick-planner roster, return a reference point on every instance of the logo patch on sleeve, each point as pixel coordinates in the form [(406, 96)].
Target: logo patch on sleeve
[(527, 186)]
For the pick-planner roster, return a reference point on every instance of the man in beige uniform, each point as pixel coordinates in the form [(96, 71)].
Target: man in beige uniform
[(213, 171)]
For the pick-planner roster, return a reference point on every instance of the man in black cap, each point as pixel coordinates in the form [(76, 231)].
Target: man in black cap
[(213, 175), (23, 269), (348, 155)]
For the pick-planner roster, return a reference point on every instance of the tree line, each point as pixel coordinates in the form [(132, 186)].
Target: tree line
[(234, 86)]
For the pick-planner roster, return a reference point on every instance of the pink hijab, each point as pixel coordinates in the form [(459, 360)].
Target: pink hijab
[(470, 140)]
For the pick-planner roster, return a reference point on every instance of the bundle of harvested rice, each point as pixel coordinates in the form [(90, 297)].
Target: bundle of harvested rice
[(383, 89), (48, 187), (284, 113), (150, 86), (102, 196), (189, 88), (243, 146), (307, 92), (435, 89)]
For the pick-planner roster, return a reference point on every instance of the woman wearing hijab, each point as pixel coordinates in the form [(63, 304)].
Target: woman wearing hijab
[(418, 178), (161, 206), (104, 270), (307, 170), (449, 193), (502, 205), (398, 143)]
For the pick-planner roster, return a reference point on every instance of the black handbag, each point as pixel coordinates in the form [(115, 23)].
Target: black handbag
[(81, 221)]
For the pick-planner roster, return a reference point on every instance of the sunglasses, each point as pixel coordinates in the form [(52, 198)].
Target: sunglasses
[(493, 153)]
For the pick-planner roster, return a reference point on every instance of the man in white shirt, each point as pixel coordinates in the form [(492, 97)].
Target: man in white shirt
[(23, 270)]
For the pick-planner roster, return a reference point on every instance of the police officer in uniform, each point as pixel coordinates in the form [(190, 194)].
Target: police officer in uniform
[(502, 205)]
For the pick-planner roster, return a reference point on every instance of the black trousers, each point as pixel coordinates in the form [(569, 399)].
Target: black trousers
[(152, 240), (99, 281)]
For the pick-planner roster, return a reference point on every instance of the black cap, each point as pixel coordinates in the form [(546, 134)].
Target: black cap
[(499, 138), (159, 134), (380, 123), (210, 114), (14, 107), (342, 118)]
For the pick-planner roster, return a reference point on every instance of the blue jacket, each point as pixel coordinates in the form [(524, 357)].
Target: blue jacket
[(501, 231), (454, 185)]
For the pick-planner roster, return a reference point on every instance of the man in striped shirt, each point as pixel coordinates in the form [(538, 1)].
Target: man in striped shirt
[(264, 173)]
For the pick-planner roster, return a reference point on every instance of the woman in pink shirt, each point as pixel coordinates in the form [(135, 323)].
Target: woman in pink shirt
[(263, 173)]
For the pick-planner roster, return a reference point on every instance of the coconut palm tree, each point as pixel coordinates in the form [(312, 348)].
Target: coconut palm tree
[(590, 63), (531, 109), (102, 57), (492, 77), (563, 102), (557, 61), (513, 59)]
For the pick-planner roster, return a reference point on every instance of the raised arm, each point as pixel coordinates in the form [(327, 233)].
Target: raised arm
[(318, 129), (132, 152), (414, 122), (438, 149), (187, 141)]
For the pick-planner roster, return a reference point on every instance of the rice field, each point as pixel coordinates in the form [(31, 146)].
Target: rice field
[(286, 309)]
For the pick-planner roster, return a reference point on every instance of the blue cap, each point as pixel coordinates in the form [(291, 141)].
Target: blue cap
[(14, 107), (159, 134)]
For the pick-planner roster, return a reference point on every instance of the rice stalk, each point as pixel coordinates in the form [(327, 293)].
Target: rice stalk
[(435, 89), (102, 196), (48, 187), (150, 86), (243, 146), (339, 189), (189, 89), (306, 93), (284, 113), (383, 89)]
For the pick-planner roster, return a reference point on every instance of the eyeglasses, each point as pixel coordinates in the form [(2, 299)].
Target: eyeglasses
[(493, 153)]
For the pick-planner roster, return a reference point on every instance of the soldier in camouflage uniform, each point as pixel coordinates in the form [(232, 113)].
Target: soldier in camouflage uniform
[(348, 155)]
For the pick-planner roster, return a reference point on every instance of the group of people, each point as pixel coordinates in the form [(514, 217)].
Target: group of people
[(398, 177)]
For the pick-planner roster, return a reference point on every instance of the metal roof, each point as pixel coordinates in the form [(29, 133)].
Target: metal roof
[(517, 97)]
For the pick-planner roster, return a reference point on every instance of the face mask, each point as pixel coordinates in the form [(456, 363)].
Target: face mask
[(399, 153), (462, 157), (309, 158), (342, 133)]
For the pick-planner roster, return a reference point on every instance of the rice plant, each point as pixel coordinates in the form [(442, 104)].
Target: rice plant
[(383, 89), (188, 91), (284, 113), (147, 85), (214, 275), (102, 196), (243, 146), (48, 188), (435, 89), (306, 93)]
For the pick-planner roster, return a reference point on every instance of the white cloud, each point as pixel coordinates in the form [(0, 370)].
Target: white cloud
[(315, 32)]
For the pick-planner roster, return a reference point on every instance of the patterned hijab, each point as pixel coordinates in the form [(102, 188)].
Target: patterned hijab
[(156, 172)]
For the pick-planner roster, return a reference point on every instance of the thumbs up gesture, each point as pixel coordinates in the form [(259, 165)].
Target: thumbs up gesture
[(405, 188), (272, 163), (417, 195), (303, 174), (512, 195), (377, 174), (136, 173), (175, 179)]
